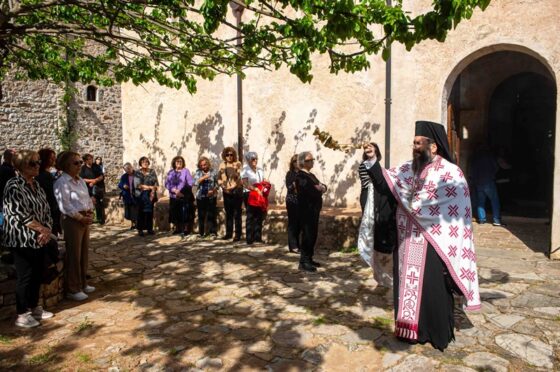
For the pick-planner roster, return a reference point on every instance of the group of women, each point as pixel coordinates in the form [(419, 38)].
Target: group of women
[(196, 194), (36, 208)]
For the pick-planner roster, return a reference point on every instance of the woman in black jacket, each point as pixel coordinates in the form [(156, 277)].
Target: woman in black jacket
[(292, 206), (310, 201)]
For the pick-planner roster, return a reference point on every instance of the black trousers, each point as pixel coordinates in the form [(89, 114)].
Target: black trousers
[(99, 209), (309, 224), (294, 229), (145, 220), (232, 206), (206, 215), (254, 222), (29, 266)]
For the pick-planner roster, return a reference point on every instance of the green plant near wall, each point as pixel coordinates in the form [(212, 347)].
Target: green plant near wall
[(66, 132)]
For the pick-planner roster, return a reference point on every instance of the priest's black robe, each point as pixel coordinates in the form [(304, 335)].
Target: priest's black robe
[(436, 320)]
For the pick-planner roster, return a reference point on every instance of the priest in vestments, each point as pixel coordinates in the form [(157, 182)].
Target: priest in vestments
[(435, 256)]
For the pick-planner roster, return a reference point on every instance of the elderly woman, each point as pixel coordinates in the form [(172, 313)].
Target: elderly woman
[(205, 179), (126, 185), (179, 183), (146, 182), (229, 179), (46, 181), (76, 206), (310, 201), (292, 206), (251, 175), (27, 230)]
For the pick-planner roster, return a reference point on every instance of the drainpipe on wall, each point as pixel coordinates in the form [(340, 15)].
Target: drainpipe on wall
[(238, 11), (388, 102)]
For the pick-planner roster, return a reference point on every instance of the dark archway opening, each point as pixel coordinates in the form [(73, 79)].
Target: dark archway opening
[(521, 124)]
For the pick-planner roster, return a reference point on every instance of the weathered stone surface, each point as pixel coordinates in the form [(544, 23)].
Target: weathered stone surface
[(505, 320), (531, 350), (487, 361), (413, 363)]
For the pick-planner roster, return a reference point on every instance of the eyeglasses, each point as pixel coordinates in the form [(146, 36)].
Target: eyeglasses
[(34, 163), (253, 159), (229, 155), (78, 162)]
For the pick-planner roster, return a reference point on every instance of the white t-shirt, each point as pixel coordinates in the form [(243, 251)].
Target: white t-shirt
[(252, 176)]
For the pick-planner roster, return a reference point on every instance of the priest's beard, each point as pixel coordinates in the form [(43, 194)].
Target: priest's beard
[(420, 158)]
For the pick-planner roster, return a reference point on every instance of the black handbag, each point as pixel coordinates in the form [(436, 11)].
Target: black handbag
[(50, 260)]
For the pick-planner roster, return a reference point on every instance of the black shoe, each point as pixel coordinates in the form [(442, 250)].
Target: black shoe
[(305, 266), (225, 237), (259, 241), (315, 263), (175, 232), (293, 250), (237, 238), (249, 243), (481, 222), (140, 233), (151, 232)]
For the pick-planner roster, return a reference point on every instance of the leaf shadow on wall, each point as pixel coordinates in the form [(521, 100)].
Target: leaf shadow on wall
[(339, 182), (156, 154), (205, 142)]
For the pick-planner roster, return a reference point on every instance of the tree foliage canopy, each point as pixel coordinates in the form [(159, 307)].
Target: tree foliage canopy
[(175, 42)]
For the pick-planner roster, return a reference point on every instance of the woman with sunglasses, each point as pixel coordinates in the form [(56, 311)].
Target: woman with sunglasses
[(229, 179), (250, 175), (76, 206), (310, 201), (27, 230), (146, 183)]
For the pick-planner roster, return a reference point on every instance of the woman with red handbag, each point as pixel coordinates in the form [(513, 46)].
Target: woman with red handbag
[(252, 175)]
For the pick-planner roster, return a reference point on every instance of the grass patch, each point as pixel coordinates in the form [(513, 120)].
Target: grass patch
[(382, 323), (83, 358), (83, 326), (5, 340), (352, 250), (41, 359), (319, 320)]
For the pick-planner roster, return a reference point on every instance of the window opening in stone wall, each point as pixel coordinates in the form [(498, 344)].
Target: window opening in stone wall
[(91, 94)]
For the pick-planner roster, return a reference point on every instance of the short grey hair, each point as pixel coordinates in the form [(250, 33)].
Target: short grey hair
[(250, 155), (301, 158)]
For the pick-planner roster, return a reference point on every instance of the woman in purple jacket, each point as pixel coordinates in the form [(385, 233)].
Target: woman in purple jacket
[(179, 183)]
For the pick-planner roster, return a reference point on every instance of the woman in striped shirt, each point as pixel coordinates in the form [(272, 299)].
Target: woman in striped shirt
[(27, 230)]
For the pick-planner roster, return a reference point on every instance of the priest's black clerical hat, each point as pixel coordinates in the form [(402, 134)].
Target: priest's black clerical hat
[(436, 132)]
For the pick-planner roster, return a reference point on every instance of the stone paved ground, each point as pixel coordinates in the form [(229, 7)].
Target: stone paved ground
[(169, 304)]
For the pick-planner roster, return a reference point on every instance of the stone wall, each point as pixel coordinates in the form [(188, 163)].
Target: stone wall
[(49, 296), (30, 114)]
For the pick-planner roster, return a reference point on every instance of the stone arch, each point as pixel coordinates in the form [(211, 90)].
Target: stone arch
[(478, 53)]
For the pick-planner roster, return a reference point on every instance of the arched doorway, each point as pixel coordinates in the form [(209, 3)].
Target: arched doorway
[(521, 122), (506, 101)]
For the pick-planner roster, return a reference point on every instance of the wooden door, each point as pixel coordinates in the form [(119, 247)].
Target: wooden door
[(453, 134)]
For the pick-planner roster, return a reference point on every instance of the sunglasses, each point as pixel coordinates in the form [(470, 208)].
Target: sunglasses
[(229, 154), (34, 163), (253, 159), (309, 160), (78, 162)]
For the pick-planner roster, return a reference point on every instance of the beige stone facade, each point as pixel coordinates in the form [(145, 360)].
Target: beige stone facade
[(280, 113)]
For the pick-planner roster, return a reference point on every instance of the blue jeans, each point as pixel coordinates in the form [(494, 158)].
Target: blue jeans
[(488, 191)]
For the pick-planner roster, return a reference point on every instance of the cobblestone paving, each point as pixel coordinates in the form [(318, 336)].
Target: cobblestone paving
[(169, 304)]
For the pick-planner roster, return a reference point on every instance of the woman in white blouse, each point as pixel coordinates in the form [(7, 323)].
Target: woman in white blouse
[(250, 175), (76, 207)]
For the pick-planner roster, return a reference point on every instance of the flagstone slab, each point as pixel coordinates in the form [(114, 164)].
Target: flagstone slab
[(487, 362), (530, 299), (415, 363), (505, 321), (531, 350)]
